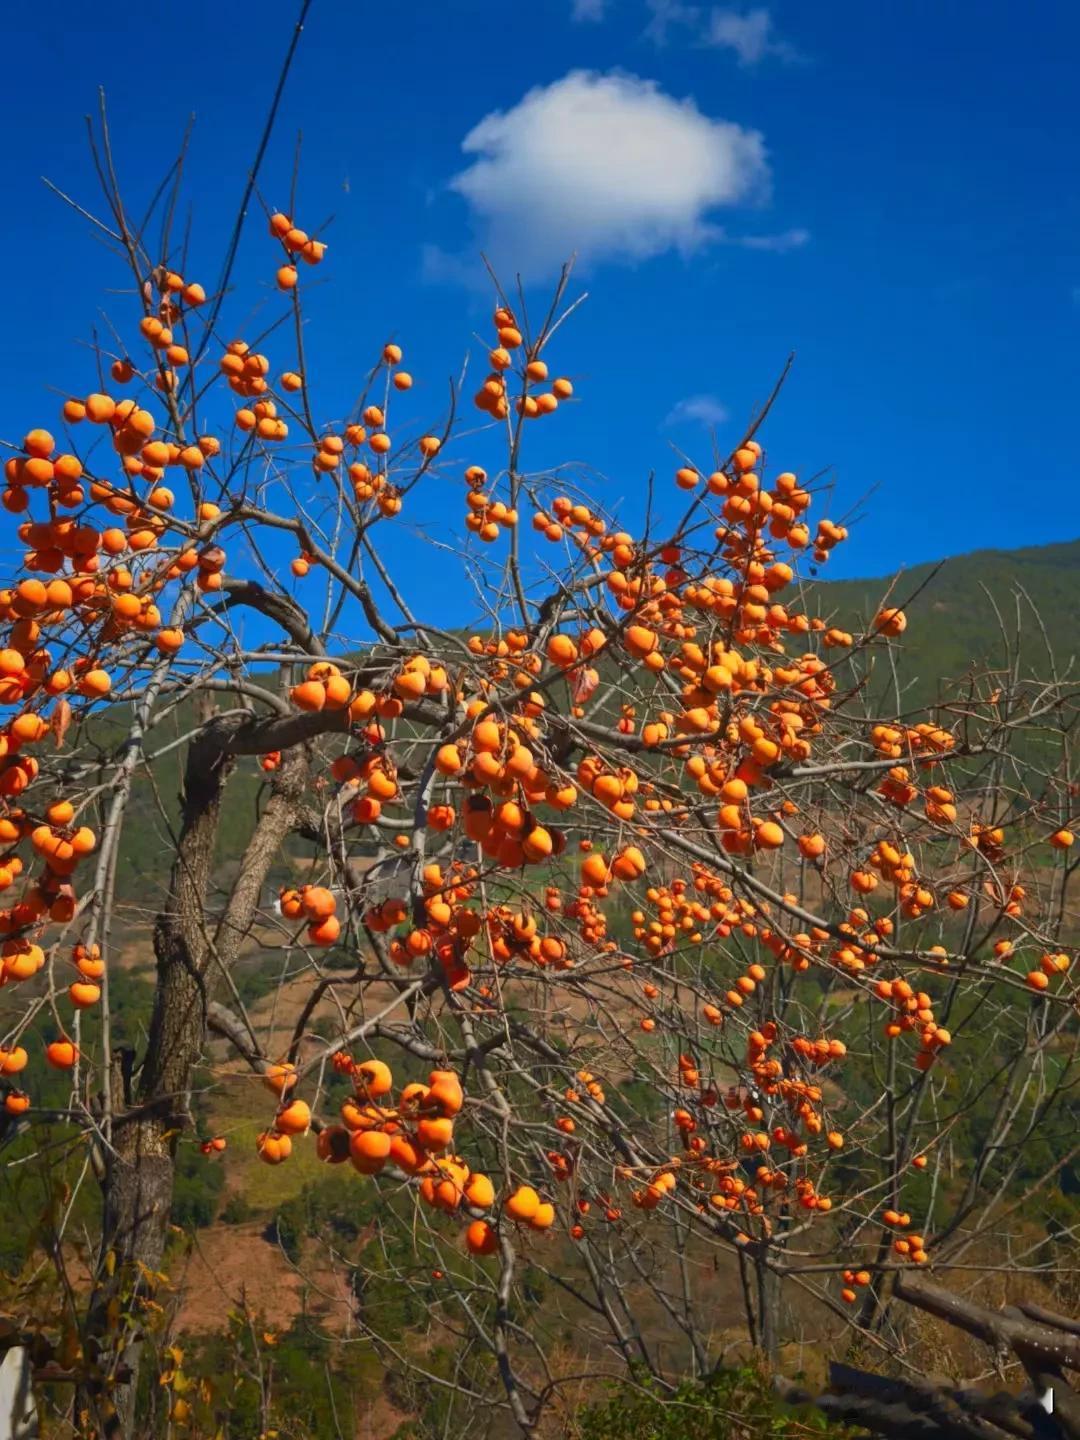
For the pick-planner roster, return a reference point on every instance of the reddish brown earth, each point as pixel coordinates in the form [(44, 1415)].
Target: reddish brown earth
[(231, 1266)]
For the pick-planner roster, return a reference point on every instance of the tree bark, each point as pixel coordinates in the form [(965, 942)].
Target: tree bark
[(918, 1407), (139, 1171)]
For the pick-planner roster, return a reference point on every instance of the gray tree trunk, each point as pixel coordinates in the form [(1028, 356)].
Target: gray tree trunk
[(139, 1173), (18, 1413)]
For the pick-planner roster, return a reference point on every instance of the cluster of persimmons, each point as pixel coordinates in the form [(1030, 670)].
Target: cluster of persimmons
[(653, 721)]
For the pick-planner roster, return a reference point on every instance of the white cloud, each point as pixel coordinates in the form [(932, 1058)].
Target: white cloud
[(588, 10), (698, 409), (606, 166)]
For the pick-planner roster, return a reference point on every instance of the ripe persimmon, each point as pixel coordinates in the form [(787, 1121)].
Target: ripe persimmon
[(61, 1054), (13, 1060), (373, 1078), (280, 1077), (273, 1148), (479, 1192), (434, 1132), (562, 651), (293, 1118), (309, 695), (522, 1204), (481, 1239)]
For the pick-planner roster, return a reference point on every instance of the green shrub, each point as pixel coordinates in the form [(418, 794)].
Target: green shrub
[(736, 1404), (197, 1187), (236, 1210)]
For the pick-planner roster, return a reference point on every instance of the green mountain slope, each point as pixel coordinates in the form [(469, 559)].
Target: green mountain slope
[(973, 610)]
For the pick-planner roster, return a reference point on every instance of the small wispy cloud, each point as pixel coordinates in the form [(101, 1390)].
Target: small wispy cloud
[(778, 244), (443, 267), (749, 34), (667, 15), (588, 11), (697, 410)]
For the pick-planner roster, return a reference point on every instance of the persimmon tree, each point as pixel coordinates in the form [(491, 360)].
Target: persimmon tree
[(651, 943)]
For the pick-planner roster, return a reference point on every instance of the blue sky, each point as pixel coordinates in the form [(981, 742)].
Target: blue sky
[(887, 189)]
